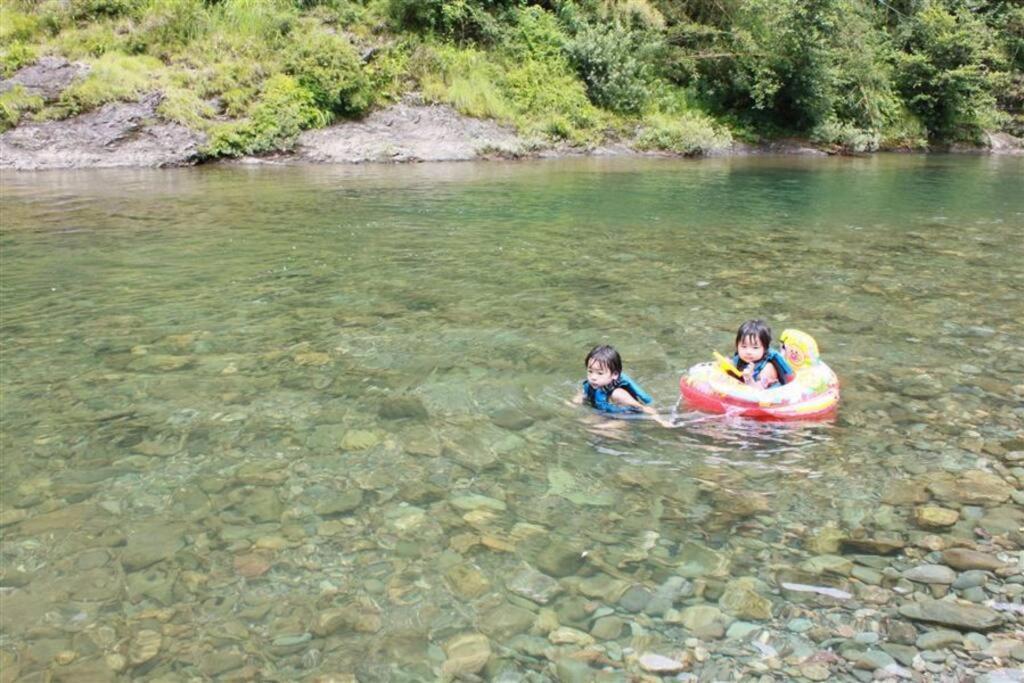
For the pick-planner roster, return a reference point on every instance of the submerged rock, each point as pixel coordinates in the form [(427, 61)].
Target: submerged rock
[(967, 617)]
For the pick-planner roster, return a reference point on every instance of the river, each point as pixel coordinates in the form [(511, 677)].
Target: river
[(311, 422)]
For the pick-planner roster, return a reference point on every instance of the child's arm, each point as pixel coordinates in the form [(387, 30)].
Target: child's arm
[(769, 375), (624, 398)]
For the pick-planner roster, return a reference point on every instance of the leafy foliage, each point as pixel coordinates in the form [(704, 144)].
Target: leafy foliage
[(327, 66)]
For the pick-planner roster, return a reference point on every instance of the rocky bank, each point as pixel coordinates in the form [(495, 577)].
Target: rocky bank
[(133, 134)]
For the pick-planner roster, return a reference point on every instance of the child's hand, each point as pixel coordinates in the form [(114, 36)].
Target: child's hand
[(748, 376)]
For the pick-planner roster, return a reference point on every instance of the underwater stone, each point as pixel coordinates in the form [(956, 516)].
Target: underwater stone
[(533, 585), (934, 517), (964, 558), (968, 617), (559, 559), (466, 653), (930, 573), (403, 408)]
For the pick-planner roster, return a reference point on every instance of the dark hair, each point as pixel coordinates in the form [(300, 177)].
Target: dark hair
[(606, 357), (755, 328)]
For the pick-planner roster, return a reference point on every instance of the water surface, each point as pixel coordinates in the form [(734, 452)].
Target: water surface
[(236, 399)]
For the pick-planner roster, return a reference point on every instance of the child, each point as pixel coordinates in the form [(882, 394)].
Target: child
[(761, 366), (610, 390)]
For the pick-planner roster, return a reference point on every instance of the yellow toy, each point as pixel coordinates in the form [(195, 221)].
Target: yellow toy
[(727, 365), (799, 348)]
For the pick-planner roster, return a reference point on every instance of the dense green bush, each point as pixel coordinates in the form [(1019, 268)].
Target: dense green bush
[(327, 66), (459, 19), (610, 60), (284, 110), (945, 71), (15, 103)]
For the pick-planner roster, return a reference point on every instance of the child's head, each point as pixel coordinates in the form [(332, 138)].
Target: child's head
[(752, 340), (798, 347), (604, 365)]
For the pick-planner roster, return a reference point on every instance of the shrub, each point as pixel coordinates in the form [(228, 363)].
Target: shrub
[(944, 72), (15, 103), (283, 111), (86, 9), (609, 60), (463, 20), (326, 65), (114, 76), (15, 55), (171, 23), (690, 133), (17, 26), (468, 79)]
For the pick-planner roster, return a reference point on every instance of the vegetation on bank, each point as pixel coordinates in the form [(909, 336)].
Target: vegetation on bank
[(682, 75)]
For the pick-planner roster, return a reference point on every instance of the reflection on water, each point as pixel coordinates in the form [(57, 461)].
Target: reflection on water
[(293, 422)]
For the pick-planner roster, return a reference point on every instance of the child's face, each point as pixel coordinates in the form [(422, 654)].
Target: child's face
[(600, 376), (750, 349)]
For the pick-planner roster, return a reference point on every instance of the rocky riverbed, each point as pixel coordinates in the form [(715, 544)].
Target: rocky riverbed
[(133, 134)]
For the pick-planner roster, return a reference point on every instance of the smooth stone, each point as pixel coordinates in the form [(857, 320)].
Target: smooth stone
[(466, 653), (340, 503), (568, 671), (1001, 676), (869, 660), (607, 628), (976, 642), (936, 640), (151, 544), (533, 585), (799, 625), (359, 440), (660, 664), (635, 599), (879, 543), (972, 578), (934, 517), (476, 502), (975, 595), (827, 564), (930, 573), (867, 575), (742, 600), (815, 671), (976, 487), (603, 587), (566, 635), (216, 663), (904, 654), (699, 560), (511, 419), (402, 408), (866, 638), (505, 621), (963, 558), (559, 559), (704, 621), (742, 629), (968, 617)]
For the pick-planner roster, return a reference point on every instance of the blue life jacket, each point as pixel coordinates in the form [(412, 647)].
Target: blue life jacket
[(602, 398), (782, 367)]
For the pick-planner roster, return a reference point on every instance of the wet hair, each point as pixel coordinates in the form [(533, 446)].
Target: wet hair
[(605, 357), (757, 329)]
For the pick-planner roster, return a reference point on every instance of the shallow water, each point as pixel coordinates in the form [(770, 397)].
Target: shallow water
[(236, 399)]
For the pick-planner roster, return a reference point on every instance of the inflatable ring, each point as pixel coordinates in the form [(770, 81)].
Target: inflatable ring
[(813, 395)]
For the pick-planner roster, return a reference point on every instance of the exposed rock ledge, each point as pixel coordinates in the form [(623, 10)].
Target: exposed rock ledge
[(132, 134)]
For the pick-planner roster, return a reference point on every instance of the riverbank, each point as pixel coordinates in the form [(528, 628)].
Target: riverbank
[(133, 134)]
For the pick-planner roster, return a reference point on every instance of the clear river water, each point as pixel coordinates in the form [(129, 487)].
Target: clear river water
[(311, 423)]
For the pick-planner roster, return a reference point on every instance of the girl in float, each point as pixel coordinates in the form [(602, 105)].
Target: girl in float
[(761, 365), (790, 384)]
